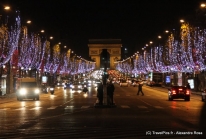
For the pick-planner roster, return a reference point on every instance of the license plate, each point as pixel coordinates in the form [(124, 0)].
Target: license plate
[(203, 94)]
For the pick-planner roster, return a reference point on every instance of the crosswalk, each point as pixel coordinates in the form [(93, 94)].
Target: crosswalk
[(90, 106)]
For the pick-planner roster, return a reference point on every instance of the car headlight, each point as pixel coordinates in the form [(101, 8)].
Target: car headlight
[(79, 86), (71, 86), (22, 91), (37, 91)]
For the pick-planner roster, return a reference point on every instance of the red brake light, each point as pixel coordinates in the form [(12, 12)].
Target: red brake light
[(180, 89), (187, 92), (173, 92)]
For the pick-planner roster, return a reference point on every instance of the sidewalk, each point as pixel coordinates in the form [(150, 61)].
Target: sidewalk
[(7, 98)]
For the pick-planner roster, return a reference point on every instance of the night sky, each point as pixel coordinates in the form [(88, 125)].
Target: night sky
[(74, 22)]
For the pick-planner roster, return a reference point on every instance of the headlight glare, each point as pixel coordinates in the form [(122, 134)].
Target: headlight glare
[(37, 91), (22, 91)]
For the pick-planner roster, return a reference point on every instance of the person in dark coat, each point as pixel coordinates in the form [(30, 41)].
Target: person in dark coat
[(140, 88), (85, 90), (100, 93), (110, 92), (188, 86)]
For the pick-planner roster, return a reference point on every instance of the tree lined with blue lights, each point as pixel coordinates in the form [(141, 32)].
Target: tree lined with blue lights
[(184, 54)]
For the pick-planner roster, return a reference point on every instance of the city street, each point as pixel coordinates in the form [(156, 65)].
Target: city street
[(73, 115)]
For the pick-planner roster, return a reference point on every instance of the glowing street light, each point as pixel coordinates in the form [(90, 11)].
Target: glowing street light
[(28, 22), (7, 8), (182, 21), (202, 5)]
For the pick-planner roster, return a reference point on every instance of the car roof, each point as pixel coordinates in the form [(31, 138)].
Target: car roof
[(178, 86)]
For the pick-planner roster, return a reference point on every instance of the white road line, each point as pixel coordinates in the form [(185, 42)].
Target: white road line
[(69, 107), (142, 107), (84, 107), (23, 108), (124, 106), (36, 108), (5, 109), (158, 107), (52, 107)]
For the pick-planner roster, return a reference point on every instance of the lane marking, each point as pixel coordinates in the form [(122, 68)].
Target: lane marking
[(158, 107), (23, 108), (52, 107), (69, 107), (36, 108), (142, 107), (125, 106), (84, 107)]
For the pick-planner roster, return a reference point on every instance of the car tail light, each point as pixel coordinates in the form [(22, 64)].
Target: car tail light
[(187, 92), (173, 92)]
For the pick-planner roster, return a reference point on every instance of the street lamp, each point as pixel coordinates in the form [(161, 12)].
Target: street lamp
[(202, 5), (28, 22), (7, 7), (182, 21)]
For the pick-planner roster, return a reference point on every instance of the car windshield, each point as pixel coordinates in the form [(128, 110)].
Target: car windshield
[(29, 84), (177, 87), (77, 83)]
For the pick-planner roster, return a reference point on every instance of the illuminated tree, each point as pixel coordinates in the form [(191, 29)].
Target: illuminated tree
[(31, 51), (55, 59), (9, 39)]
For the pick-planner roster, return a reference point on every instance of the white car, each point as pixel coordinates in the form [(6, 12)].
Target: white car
[(123, 83)]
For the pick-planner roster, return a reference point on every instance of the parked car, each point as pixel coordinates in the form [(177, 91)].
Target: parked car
[(176, 92), (123, 83)]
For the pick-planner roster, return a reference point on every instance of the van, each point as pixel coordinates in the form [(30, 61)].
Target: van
[(27, 88)]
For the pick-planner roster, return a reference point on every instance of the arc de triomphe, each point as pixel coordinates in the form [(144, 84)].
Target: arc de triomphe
[(113, 47)]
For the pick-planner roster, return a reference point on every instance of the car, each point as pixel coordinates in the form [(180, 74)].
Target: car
[(177, 92), (67, 85), (123, 83), (77, 86), (150, 83)]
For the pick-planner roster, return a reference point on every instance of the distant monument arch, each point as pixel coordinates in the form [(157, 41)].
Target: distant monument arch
[(113, 47)]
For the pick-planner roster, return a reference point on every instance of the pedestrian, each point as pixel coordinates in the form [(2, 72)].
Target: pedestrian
[(140, 88), (188, 85), (100, 93), (110, 92), (85, 90)]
